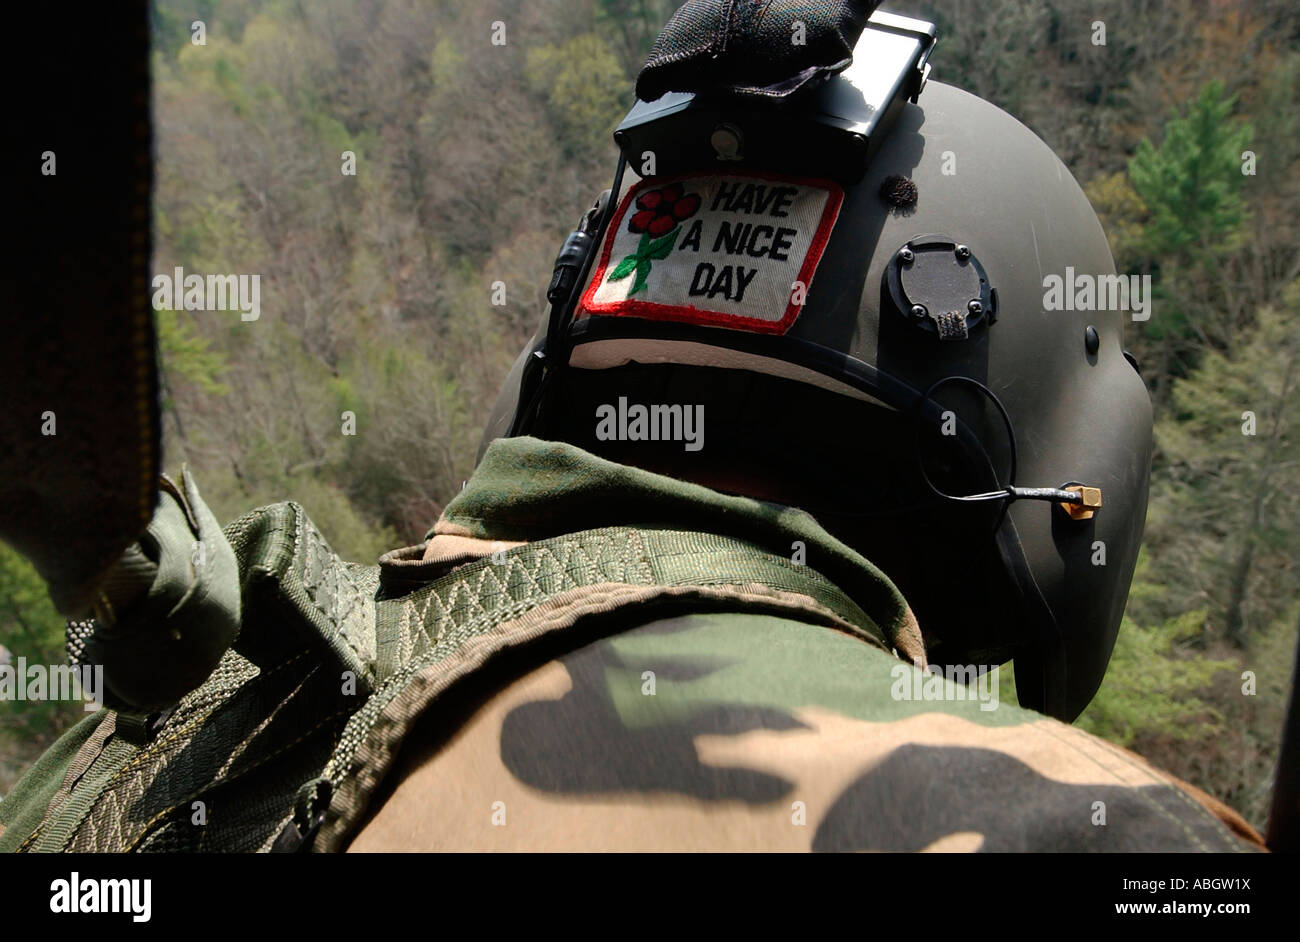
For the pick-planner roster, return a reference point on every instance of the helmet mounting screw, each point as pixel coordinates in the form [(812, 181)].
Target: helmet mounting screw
[(905, 255), (975, 307), (919, 311), (728, 142), (963, 251), (1090, 340)]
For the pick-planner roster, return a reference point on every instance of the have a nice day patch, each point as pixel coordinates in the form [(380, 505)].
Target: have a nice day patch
[(724, 250)]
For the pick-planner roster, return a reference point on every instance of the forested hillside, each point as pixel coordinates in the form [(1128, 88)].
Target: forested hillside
[(473, 161)]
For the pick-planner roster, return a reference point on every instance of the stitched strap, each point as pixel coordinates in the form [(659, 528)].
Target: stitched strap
[(287, 561), (448, 629), (308, 618), (274, 715), (504, 586)]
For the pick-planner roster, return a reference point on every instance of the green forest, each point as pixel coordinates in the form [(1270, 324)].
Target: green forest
[(473, 161)]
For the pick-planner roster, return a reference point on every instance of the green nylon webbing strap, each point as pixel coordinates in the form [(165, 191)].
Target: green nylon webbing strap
[(496, 588), (55, 833), (285, 559), (593, 572), (424, 639)]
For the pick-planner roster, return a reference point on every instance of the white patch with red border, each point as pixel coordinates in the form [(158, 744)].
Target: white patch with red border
[(725, 250)]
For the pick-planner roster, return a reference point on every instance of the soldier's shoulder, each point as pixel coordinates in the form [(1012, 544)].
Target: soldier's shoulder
[(743, 731)]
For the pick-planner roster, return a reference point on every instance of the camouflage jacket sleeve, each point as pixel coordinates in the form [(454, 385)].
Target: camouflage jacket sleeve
[(753, 732)]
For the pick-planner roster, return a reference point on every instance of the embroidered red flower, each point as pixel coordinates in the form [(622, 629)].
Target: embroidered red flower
[(658, 221), (661, 210)]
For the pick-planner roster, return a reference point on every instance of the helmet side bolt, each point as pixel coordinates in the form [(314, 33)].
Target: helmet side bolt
[(919, 311), (728, 142), (1091, 341), (975, 308), (963, 251), (905, 256)]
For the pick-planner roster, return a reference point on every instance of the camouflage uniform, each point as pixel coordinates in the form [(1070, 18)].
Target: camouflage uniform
[(584, 655)]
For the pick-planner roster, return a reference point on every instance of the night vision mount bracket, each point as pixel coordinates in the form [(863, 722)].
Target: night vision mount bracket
[(832, 130)]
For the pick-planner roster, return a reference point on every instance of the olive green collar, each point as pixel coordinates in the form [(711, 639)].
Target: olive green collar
[(526, 489)]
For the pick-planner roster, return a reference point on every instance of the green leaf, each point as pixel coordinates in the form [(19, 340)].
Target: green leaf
[(659, 248), (629, 263), (624, 268), (642, 271)]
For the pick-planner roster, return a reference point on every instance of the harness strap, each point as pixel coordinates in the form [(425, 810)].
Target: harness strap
[(335, 661), (451, 628)]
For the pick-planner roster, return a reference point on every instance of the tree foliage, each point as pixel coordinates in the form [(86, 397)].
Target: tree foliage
[(1191, 183), (30, 628)]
